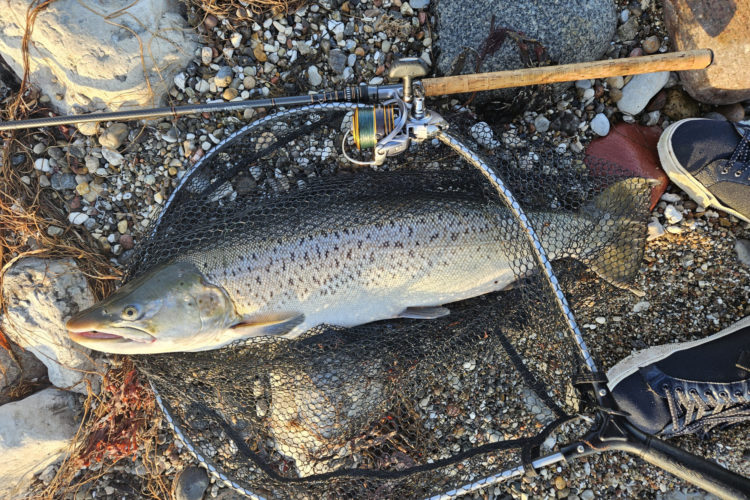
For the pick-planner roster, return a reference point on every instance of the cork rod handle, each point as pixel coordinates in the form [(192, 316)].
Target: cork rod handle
[(673, 61)]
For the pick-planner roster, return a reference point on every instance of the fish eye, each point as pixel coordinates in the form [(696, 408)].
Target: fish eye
[(130, 312)]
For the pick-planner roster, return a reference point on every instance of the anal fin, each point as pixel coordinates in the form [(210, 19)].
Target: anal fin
[(424, 312)]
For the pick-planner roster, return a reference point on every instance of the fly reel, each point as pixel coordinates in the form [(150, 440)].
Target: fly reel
[(388, 129)]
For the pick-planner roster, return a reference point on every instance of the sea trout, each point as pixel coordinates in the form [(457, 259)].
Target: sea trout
[(353, 261)]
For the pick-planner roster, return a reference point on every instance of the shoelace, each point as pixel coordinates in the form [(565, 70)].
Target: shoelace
[(740, 159), (704, 412)]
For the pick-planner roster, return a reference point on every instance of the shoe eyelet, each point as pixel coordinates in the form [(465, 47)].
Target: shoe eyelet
[(724, 394), (678, 389), (693, 392), (724, 171), (738, 173), (708, 393)]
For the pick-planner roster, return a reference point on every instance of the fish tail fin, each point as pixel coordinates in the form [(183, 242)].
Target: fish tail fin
[(617, 239)]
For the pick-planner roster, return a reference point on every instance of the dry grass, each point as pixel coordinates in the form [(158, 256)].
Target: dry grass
[(122, 422), (235, 11)]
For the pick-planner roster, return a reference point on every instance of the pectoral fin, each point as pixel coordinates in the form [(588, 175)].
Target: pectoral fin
[(424, 312), (267, 325)]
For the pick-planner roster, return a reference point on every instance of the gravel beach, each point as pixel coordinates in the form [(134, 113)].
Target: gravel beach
[(114, 180)]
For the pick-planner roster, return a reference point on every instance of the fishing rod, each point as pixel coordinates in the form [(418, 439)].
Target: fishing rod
[(397, 115), (407, 70)]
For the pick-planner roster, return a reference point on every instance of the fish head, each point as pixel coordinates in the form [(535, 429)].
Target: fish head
[(171, 308)]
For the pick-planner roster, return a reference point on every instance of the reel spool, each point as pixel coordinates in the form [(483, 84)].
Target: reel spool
[(371, 124)]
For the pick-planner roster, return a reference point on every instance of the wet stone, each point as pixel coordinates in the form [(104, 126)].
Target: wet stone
[(60, 182), (190, 484)]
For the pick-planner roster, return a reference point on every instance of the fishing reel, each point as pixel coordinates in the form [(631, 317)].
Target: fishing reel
[(389, 128)]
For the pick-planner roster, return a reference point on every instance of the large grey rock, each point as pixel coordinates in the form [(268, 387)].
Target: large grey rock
[(17, 366), (570, 30), (94, 61), (40, 295), (34, 433)]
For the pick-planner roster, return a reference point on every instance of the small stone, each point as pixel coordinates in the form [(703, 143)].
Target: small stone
[(742, 247), (210, 22), (230, 93), (122, 226), (337, 60), (149, 180), (733, 112), (190, 484), (44, 181), (601, 320), (88, 128), (419, 4), (248, 82), (113, 157), (314, 76), (560, 483), (641, 306), (615, 95), (628, 30), (114, 136), (679, 105), (83, 188), (235, 40), (406, 9), (223, 77), (359, 51), (672, 215), (259, 54), (77, 218), (600, 124), (180, 79), (583, 84), (54, 231), (615, 82), (126, 241), (61, 182), (42, 164), (207, 54), (651, 44), (639, 91), (541, 123), (172, 171), (39, 149), (671, 197), (587, 495)]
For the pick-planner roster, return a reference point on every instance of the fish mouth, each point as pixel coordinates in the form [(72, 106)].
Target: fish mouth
[(113, 335)]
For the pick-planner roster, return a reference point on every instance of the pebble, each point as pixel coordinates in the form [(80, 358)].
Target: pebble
[(733, 112), (180, 79), (337, 60), (114, 136), (44, 181), (235, 39), (742, 247), (313, 76), (149, 180), (42, 164), (560, 483), (122, 226), (77, 218), (615, 95), (113, 157), (655, 230), (639, 91), (83, 188), (39, 148), (671, 197), (230, 93), (672, 215), (207, 54), (587, 495), (54, 231), (61, 182), (541, 123), (88, 128), (190, 484), (600, 124), (615, 82), (224, 77), (641, 306), (583, 84), (126, 241), (419, 4), (651, 44)]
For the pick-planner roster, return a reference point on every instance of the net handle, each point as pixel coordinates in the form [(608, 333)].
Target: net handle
[(537, 250)]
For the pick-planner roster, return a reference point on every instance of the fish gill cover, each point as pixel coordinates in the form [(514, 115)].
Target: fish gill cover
[(400, 408)]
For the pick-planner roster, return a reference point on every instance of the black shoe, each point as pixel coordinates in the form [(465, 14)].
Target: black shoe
[(710, 161), (686, 388)]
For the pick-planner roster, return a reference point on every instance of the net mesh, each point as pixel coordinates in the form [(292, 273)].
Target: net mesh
[(400, 407)]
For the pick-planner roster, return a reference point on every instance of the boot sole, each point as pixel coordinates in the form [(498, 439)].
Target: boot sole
[(645, 357), (683, 178)]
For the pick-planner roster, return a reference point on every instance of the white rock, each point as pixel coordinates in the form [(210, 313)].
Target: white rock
[(652, 118), (40, 295), (77, 218), (102, 64), (672, 215), (88, 128), (655, 230), (236, 39), (583, 84), (671, 197), (641, 306), (313, 76), (206, 55), (34, 433), (113, 157), (42, 164), (639, 91), (600, 124), (588, 95), (179, 81)]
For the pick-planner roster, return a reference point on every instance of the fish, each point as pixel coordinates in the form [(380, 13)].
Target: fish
[(355, 260)]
